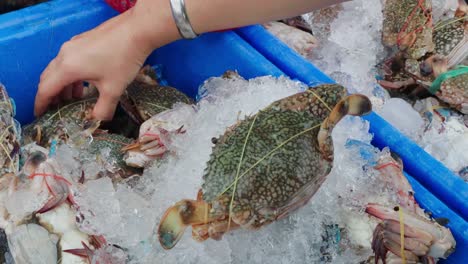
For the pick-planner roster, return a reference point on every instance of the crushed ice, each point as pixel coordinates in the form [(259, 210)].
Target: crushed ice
[(297, 237)]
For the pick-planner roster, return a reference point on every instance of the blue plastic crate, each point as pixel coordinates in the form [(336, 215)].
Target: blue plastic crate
[(30, 38)]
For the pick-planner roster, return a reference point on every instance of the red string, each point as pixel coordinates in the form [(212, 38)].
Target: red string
[(400, 36), (56, 177), (121, 5), (387, 165)]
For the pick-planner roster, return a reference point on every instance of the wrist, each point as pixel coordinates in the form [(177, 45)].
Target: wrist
[(153, 24)]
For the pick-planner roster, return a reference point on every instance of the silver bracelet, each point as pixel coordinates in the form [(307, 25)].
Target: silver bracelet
[(181, 19)]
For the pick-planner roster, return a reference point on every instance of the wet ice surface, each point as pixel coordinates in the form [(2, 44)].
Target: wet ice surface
[(349, 51), (339, 202), (352, 47), (402, 116)]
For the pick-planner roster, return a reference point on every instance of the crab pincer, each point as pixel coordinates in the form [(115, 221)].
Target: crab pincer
[(409, 236), (153, 142), (104, 256)]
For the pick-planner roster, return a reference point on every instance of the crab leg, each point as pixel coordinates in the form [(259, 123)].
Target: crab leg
[(178, 217), (356, 105), (397, 84), (60, 193), (84, 252), (214, 230)]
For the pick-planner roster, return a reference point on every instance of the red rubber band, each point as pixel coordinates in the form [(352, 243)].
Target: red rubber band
[(409, 18), (387, 164), (56, 177)]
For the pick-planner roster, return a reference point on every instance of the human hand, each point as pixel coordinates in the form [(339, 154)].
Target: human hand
[(108, 57)]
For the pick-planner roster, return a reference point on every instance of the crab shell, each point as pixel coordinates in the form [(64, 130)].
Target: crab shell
[(451, 40), (266, 166), (454, 91), (115, 160), (61, 123), (145, 98), (9, 145), (407, 26)]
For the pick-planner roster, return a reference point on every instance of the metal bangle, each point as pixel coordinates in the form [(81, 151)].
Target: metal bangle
[(181, 19)]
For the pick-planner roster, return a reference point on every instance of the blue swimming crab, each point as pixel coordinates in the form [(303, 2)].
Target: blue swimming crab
[(9, 136), (407, 25), (266, 166), (413, 65), (425, 240), (145, 99), (70, 122)]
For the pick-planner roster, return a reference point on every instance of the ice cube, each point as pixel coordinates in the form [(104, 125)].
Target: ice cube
[(99, 209), (32, 244), (402, 116)]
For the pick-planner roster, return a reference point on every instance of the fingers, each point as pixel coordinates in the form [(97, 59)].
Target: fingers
[(77, 91), (105, 107), (54, 78)]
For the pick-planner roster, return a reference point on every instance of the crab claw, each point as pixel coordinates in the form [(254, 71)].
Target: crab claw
[(462, 9), (397, 84), (85, 252), (356, 105), (422, 238), (44, 171), (60, 193), (155, 136), (178, 217)]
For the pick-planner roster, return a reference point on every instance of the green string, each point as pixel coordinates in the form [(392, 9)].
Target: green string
[(459, 70)]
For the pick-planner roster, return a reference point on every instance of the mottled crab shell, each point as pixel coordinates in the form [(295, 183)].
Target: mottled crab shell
[(149, 98), (59, 123), (273, 154), (114, 143), (454, 91), (451, 40), (9, 145), (400, 20)]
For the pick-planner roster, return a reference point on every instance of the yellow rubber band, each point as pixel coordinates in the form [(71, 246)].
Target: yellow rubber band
[(402, 236)]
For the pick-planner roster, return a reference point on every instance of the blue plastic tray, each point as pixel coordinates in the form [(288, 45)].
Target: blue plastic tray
[(30, 38)]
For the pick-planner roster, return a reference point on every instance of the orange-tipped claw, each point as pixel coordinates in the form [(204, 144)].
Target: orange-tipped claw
[(178, 217)]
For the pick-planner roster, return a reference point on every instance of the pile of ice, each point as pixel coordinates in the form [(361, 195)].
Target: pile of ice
[(350, 50), (128, 214), (445, 138), (350, 46)]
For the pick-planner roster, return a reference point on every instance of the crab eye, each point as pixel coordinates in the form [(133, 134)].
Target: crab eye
[(425, 69)]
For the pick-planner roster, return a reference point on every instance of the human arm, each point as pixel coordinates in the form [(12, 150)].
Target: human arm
[(110, 55)]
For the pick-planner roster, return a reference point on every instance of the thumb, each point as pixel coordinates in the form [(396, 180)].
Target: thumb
[(105, 106)]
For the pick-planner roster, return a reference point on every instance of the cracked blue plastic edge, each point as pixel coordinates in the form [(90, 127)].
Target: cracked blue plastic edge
[(432, 174)]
